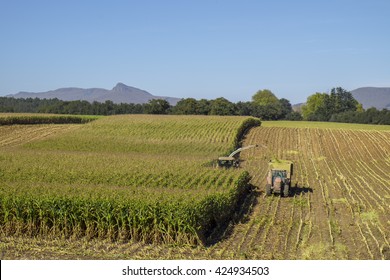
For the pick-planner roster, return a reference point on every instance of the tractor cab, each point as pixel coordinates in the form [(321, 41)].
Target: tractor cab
[(279, 177), (276, 173)]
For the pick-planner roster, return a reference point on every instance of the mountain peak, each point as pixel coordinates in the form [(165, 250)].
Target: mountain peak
[(121, 93), (121, 87)]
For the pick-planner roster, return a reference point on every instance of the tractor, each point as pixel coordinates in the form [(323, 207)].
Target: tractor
[(279, 177), (233, 159)]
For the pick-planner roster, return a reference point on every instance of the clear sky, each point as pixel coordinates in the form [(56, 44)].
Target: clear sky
[(199, 48)]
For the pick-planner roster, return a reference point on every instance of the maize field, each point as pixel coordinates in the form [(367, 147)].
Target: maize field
[(133, 177)]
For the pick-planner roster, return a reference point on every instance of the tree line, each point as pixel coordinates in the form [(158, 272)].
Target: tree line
[(337, 106), (264, 105), (340, 106)]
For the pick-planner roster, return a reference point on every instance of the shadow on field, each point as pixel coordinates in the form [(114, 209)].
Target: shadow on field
[(241, 215), (298, 190)]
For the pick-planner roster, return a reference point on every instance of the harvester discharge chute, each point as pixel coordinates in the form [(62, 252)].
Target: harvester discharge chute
[(233, 160)]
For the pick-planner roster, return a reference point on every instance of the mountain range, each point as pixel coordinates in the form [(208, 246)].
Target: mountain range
[(121, 93), (378, 97)]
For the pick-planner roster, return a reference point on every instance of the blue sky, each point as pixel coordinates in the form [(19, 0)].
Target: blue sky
[(199, 48)]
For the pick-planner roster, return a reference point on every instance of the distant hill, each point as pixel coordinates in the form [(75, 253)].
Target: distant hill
[(121, 93), (297, 107), (373, 97)]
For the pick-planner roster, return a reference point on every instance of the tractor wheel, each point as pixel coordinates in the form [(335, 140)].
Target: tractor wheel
[(286, 190), (268, 189)]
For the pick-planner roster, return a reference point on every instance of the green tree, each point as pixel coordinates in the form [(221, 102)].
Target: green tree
[(266, 105), (157, 106), (265, 98), (244, 108), (342, 100), (286, 107), (359, 108), (203, 107), (322, 106), (317, 107), (187, 106), (222, 107)]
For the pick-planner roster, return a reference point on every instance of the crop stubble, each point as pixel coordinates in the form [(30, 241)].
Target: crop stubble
[(339, 208)]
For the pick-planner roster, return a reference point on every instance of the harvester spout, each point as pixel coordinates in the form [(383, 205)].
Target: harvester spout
[(241, 149)]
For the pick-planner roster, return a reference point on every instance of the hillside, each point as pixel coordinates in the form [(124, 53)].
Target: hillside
[(373, 97), (121, 93)]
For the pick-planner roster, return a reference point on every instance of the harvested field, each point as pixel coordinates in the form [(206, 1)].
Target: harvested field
[(339, 207), (12, 136)]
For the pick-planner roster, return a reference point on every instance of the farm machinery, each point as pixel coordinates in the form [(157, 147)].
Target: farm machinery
[(233, 159), (279, 177)]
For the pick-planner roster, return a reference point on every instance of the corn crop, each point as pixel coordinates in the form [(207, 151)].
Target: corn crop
[(123, 178), (12, 119)]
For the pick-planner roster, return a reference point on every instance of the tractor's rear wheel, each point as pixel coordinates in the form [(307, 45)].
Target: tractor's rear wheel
[(268, 189), (286, 190)]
